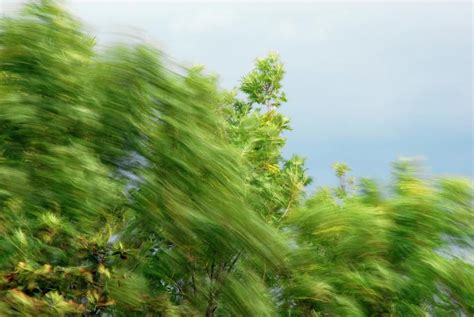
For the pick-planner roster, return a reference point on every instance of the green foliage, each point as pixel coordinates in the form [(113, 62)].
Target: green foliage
[(263, 84), (385, 256), (128, 189), (274, 183)]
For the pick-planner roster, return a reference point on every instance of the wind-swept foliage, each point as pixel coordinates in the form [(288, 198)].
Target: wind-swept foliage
[(369, 255), (129, 189)]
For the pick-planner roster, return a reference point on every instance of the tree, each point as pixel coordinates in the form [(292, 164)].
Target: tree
[(58, 201), (274, 183), (128, 189), (192, 208), (373, 256)]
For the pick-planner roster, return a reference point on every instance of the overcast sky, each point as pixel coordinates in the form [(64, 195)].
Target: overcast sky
[(366, 82)]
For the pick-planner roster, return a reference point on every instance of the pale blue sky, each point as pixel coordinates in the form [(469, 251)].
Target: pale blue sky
[(366, 82)]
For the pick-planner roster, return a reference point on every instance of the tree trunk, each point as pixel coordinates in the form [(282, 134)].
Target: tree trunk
[(211, 308)]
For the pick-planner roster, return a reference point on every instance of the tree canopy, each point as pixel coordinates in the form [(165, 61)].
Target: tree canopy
[(131, 189)]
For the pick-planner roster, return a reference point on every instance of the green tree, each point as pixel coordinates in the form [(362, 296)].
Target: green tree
[(275, 184), (128, 189), (58, 202), (374, 256), (191, 208)]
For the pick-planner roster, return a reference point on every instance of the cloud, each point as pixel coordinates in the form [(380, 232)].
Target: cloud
[(208, 19)]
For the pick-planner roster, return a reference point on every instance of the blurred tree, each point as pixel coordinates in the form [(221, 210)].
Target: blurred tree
[(191, 210), (128, 189), (374, 256), (58, 202)]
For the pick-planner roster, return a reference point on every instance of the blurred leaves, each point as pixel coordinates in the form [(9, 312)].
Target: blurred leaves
[(130, 189), (385, 256)]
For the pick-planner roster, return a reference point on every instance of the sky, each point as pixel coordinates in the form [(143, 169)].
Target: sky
[(367, 82)]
